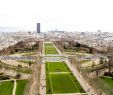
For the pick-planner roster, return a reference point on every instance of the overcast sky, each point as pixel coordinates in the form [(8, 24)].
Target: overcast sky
[(80, 15)]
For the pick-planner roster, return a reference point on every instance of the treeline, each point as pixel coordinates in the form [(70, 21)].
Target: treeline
[(21, 46), (79, 47)]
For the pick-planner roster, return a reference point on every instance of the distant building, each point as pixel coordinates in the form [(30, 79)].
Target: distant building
[(38, 27), (56, 31)]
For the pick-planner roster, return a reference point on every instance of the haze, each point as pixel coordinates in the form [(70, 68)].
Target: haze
[(69, 15)]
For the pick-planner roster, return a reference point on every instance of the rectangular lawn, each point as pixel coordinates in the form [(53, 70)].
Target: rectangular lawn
[(21, 84), (56, 67), (50, 49), (59, 79), (62, 83), (6, 88)]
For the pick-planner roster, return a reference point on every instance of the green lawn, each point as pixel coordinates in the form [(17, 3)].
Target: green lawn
[(56, 67), (6, 88), (108, 81), (21, 84), (62, 83), (50, 49), (59, 79), (48, 44)]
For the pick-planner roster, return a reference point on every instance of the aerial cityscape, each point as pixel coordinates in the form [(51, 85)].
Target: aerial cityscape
[(56, 62), (56, 47)]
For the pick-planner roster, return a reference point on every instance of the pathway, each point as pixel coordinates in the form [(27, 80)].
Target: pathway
[(43, 81), (14, 88), (33, 90), (89, 90)]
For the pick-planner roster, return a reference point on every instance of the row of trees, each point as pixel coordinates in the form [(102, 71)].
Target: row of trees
[(95, 81), (20, 47), (66, 45)]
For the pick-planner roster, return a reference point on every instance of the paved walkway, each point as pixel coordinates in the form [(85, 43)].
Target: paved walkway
[(89, 90), (43, 81), (14, 88)]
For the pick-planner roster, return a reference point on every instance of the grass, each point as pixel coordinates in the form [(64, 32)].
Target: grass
[(26, 61), (6, 88), (48, 44), (21, 84), (56, 66), (108, 81), (50, 49), (61, 82), (26, 71), (22, 70)]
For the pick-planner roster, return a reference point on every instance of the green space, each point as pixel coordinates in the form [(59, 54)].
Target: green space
[(108, 81), (21, 85), (50, 49), (56, 67), (6, 87), (59, 79), (48, 44), (15, 68), (62, 83)]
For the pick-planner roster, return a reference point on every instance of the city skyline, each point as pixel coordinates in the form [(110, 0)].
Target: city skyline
[(67, 15)]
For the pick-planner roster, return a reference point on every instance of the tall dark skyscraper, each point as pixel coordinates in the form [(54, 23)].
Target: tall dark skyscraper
[(38, 27)]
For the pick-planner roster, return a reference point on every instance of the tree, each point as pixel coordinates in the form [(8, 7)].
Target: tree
[(110, 61), (18, 67), (97, 71), (93, 64), (30, 63), (101, 60), (90, 50)]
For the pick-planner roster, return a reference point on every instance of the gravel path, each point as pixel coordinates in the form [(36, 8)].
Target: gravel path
[(43, 81), (14, 89)]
